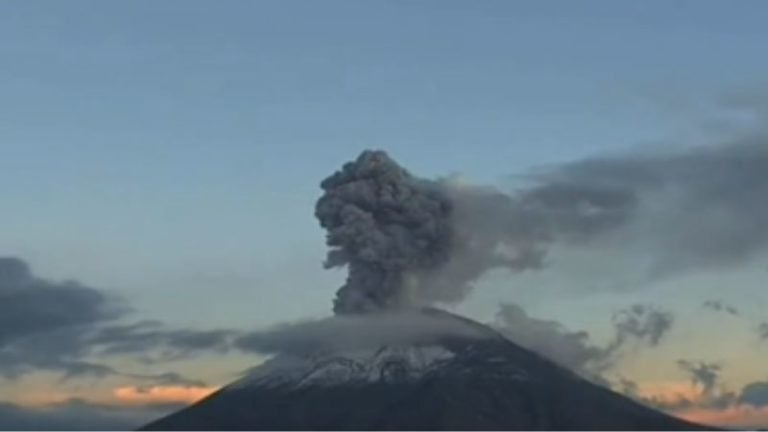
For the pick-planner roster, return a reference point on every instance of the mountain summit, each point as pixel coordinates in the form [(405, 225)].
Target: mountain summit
[(473, 379)]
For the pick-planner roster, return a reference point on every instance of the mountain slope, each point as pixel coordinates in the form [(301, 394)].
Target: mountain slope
[(483, 382)]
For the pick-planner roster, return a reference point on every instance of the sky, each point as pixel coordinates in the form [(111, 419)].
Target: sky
[(168, 155)]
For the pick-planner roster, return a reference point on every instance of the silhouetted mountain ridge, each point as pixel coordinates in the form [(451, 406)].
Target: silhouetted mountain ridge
[(483, 382)]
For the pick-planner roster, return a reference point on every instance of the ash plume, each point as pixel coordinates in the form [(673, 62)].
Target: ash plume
[(385, 225), (410, 241), (698, 209)]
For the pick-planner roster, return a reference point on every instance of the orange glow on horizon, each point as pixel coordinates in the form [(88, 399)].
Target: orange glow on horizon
[(670, 392), (132, 395), (741, 416), (736, 416)]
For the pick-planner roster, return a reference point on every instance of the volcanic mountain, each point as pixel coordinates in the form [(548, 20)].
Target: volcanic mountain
[(472, 379)]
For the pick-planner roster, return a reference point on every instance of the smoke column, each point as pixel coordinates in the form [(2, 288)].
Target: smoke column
[(382, 223), (409, 241)]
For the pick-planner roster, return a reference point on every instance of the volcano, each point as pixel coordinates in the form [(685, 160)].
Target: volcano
[(472, 380)]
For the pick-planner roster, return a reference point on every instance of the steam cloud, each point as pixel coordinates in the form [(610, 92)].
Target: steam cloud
[(356, 332), (409, 241)]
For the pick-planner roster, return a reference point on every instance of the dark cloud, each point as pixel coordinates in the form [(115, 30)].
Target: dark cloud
[(641, 322), (384, 224), (408, 240), (696, 209), (755, 394), (68, 328), (574, 349), (57, 351), (706, 375), (575, 212), (76, 414), (30, 305), (720, 306), (42, 323)]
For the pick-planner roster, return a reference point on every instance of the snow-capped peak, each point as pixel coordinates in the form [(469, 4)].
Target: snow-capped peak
[(388, 363)]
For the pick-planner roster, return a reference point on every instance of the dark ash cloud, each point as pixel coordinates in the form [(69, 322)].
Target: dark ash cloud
[(384, 224), (697, 209), (409, 241), (30, 305)]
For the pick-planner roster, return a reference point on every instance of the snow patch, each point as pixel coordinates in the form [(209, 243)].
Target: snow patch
[(386, 364)]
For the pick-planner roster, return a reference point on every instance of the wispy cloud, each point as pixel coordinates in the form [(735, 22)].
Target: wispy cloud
[(635, 324), (720, 306)]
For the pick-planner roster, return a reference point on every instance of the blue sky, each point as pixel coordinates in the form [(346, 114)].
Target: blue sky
[(171, 151), (144, 139)]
